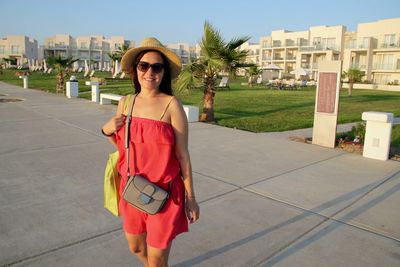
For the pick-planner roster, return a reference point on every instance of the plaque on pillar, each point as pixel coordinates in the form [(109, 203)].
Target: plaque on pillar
[(327, 103)]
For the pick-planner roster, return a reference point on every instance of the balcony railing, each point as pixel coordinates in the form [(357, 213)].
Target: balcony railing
[(389, 45), (386, 67), (266, 58), (358, 65), (318, 48), (355, 46)]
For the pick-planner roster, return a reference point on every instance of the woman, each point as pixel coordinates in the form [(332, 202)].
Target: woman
[(158, 151)]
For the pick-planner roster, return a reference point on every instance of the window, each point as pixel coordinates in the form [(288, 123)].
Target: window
[(2, 49), (330, 43), (389, 39), (14, 49), (365, 42), (316, 40), (83, 45)]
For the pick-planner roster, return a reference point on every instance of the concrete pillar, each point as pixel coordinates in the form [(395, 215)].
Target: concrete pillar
[(95, 91), (378, 134), (25, 79), (72, 87), (192, 113)]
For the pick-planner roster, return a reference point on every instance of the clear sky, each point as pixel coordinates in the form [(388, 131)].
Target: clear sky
[(173, 21)]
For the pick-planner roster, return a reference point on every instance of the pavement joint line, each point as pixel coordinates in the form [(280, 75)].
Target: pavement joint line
[(331, 218), (219, 179), (48, 148), (290, 243), (20, 121), (295, 169), (38, 255), (65, 122)]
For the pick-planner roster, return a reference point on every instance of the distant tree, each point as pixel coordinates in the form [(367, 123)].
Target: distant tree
[(61, 66), (117, 55), (216, 56), (353, 75), (253, 72)]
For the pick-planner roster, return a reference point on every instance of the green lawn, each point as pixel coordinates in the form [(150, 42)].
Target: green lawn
[(254, 109)]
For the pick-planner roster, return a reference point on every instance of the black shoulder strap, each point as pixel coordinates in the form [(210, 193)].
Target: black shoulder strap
[(127, 133)]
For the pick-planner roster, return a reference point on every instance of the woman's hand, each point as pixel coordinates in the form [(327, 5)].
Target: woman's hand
[(114, 124), (192, 210)]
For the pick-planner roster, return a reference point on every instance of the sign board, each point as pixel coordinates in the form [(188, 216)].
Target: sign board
[(327, 103)]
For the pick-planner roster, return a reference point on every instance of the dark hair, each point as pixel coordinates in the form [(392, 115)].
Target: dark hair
[(165, 85)]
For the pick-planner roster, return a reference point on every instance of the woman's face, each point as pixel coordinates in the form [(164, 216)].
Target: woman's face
[(152, 77)]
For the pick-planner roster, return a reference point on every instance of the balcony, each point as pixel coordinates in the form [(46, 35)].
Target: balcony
[(358, 65), (389, 45), (266, 58), (305, 65), (386, 67), (318, 48), (291, 57)]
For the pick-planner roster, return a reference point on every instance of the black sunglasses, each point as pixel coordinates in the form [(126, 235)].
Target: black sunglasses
[(144, 66)]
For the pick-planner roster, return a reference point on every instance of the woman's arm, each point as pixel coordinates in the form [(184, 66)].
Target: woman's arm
[(115, 123), (180, 125)]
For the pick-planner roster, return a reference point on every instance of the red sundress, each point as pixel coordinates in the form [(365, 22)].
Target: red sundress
[(152, 154)]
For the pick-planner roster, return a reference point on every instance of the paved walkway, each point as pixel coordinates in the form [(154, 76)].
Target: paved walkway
[(265, 200)]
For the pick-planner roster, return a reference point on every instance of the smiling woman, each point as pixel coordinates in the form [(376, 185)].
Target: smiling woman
[(151, 136)]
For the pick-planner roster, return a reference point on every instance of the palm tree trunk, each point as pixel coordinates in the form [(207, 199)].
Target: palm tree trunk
[(350, 92), (208, 101), (60, 82)]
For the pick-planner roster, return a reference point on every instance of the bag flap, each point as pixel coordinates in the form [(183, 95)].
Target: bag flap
[(141, 183)]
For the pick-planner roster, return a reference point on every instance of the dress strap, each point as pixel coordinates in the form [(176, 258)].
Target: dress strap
[(165, 110)]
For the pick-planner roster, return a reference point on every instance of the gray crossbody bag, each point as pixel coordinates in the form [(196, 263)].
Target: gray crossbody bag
[(138, 191)]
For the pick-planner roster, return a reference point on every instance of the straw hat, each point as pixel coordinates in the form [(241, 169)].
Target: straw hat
[(151, 43)]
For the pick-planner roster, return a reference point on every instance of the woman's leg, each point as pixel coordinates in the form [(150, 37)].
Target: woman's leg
[(137, 245), (158, 257)]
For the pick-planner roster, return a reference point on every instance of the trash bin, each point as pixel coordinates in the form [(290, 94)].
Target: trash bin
[(378, 134), (72, 87)]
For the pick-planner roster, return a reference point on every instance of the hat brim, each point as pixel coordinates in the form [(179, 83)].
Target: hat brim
[(130, 57)]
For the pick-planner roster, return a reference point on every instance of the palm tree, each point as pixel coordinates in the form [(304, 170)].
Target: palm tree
[(117, 55), (353, 75), (61, 66), (114, 56), (216, 56), (253, 71)]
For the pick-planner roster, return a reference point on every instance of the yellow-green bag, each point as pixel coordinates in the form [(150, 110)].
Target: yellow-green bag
[(112, 178), (111, 184)]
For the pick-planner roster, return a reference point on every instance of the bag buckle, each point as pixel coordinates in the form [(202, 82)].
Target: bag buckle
[(144, 199)]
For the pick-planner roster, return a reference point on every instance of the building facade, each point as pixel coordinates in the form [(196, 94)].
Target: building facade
[(19, 48), (93, 50), (185, 51), (303, 49), (374, 48)]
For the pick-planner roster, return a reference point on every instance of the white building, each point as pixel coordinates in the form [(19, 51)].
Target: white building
[(374, 48), (93, 49), (19, 47)]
